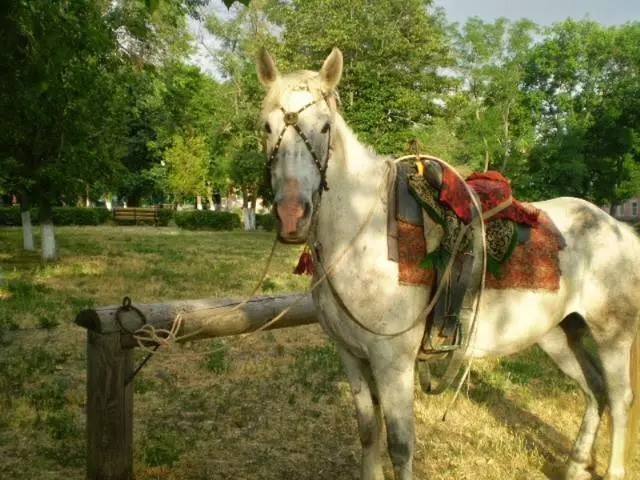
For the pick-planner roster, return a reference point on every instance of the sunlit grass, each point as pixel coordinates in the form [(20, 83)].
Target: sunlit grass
[(268, 406)]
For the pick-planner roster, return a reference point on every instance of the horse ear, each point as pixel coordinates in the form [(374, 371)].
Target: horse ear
[(331, 70), (267, 70)]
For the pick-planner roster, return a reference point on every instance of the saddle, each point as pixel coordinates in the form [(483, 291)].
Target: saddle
[(427, 193)]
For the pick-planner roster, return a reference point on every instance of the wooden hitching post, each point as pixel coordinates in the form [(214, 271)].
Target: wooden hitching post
[(109, 360), (109, 408)]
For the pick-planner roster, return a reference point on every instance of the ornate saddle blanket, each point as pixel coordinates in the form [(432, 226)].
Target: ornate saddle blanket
[(445, 200), (522, 242)]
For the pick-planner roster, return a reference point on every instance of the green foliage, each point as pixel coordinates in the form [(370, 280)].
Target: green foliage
[(247, 171), (80, 216), (64, 102), (392, 51), (187, 161), (582, 87), (163, 446), (10, 216), (164, 216), (207, 220), (318, 369), (217, 359), (266, 221), (486, 115), (48, 322), (229, 3)]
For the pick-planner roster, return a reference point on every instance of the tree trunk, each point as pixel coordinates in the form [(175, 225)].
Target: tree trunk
[(507, 138), (252, 209), (27, 226), (107, 201), (210, 201), (484, 140), (88, 197), (199, 202), (246, 210), (246, 219), (48, 238)]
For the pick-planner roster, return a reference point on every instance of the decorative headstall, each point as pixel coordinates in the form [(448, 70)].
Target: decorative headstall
[(291, 120)]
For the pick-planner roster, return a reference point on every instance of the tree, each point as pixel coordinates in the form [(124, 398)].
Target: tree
[(581, 85), (61, 103), (187, 163), (487, 112), (246, 171), (394, 53), (241, 35)]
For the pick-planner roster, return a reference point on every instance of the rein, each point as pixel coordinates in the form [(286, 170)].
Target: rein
[(457, 356), (316, 250)]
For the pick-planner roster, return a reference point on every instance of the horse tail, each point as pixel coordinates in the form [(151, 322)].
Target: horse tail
[(634, 412)]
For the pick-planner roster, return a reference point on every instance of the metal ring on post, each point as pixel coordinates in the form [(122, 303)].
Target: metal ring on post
[(127, 307)]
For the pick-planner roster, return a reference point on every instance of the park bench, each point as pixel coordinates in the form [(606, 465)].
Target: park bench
[(135, 215)]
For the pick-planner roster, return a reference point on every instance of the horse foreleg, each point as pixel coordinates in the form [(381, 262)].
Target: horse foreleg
[(564, 346), (368, 412), (395, 385)]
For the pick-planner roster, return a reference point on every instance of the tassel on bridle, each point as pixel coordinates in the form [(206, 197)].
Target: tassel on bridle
[(305, 264)]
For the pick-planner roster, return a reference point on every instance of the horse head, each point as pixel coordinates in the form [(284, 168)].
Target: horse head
[(298, 115)]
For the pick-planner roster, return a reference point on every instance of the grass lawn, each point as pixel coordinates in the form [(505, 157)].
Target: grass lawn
[(270, 406)]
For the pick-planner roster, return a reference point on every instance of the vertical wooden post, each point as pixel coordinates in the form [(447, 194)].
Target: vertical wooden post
[(109, 408)]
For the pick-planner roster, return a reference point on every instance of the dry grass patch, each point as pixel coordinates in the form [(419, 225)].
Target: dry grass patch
[(267, 406)]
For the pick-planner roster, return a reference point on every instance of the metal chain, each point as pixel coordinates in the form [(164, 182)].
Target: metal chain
[(128, 307)]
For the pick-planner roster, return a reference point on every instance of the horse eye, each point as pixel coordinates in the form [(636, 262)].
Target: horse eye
[(326, 127), (267, 127)]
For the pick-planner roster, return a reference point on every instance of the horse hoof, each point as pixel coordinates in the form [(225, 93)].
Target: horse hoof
[(578, 471)]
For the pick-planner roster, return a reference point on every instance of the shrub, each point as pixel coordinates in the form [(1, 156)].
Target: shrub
[(10, 216), (266, 221), (164, 216), (207, 219), (80, 216)]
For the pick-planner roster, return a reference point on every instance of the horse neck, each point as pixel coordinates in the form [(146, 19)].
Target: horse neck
[(356, 186)]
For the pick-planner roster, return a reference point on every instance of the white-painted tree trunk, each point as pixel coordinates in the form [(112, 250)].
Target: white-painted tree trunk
[(249, 219), (198, 202), (246, 222), (107, 201), (210, 200), (48, 240), (27, 230)]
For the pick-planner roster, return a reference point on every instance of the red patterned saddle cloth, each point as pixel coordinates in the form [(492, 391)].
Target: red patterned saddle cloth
[(533, 264)]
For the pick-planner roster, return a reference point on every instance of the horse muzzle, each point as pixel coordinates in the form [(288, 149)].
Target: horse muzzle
[(293, 221)]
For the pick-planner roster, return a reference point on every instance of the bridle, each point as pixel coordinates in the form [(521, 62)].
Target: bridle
[(291, 120)]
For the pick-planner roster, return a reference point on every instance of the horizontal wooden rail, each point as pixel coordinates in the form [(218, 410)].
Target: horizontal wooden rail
[(206, 318)]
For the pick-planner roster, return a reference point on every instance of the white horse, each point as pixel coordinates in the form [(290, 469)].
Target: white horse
[(310, 147)]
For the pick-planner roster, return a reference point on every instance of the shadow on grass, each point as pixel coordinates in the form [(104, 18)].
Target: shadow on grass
[(552, 445), (253, 420)]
